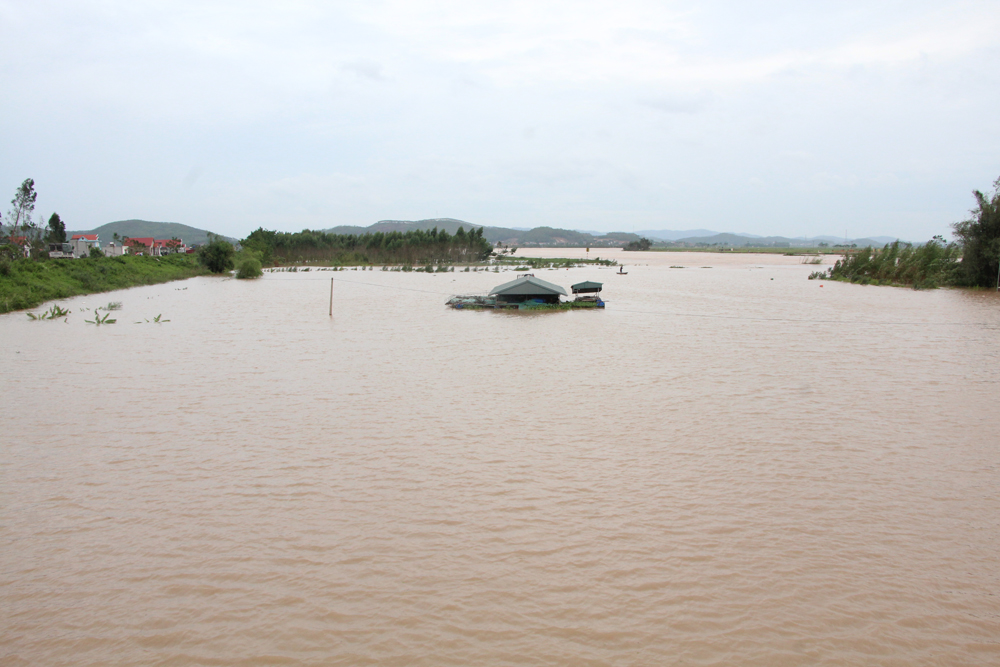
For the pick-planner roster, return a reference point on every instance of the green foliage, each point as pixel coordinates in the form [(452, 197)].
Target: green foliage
[(979, 237), (925, 267), (56, 229), (96, 252), (218, 255), (52, 313), (641, 244), (248, 267), (101, 320), (412, 247), (29, 283)]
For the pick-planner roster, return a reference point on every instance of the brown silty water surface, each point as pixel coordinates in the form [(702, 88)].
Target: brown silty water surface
[(728, 466)]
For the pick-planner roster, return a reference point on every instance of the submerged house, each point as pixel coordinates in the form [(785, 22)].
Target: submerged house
[(528, 292), (527, 288), (587, 287)]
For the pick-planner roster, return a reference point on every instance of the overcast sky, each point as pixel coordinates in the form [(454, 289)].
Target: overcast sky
[(786, 118)]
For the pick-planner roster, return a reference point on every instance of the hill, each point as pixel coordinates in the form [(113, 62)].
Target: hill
[(672, 235), (740, 240), (141, 228), (537, 237)]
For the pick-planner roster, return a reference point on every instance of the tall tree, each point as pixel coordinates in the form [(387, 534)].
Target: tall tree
[(980, 240), (57, 229), (19, 217)]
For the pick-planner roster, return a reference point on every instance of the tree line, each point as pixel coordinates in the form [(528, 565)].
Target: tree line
[(416, 246)]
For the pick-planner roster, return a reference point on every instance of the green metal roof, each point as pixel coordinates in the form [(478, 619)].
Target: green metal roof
[(527, 286), (587, 286)]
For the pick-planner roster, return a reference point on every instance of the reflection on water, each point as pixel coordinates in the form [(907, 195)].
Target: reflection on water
[(730, 465)]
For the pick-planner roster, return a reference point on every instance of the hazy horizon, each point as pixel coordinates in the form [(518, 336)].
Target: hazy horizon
[(777, 120)]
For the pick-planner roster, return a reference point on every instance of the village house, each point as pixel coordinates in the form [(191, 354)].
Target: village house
[(113, 249), (147, 245), (82, 243)]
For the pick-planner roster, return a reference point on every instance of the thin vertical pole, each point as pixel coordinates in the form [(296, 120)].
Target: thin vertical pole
[(998, 274), (331, 297)]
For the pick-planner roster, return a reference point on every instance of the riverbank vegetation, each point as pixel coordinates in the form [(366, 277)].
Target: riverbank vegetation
[(931, 265), (980, 240), (972, 261), (26, 283), (414, 247)]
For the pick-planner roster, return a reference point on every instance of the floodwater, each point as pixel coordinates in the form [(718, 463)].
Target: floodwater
[(730, 465)]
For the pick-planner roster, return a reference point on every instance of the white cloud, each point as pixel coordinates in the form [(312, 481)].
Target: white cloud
[(316, 114)]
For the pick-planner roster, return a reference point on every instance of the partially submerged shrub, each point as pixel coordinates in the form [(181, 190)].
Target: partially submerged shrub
[(249, 267), (217, 256)]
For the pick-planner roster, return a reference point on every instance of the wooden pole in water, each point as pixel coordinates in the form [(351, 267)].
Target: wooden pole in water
[(331, 297)]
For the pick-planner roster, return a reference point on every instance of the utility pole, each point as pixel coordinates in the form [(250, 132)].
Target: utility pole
[(331, 297)]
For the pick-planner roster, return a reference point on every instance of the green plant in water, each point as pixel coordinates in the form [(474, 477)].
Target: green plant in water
[(101, 320), (52, 313), (114, 305)]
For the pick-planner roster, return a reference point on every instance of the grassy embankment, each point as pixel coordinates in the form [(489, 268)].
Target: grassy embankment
[(26, 283)]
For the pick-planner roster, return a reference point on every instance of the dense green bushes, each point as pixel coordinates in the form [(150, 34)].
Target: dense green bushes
[(974, 261), (641, 244), (26, 283), (248, 266), (217, 255), (933, 264), (411, 247)]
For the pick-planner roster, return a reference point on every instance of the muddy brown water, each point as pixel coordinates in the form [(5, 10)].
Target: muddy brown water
[(729, 465)]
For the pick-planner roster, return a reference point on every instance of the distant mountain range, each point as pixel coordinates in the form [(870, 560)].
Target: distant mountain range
[(513, 236), (740, 240), (537, 237), (145, 228), (705, 236), (550, 237)]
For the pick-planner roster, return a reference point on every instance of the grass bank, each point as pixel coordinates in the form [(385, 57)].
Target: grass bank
[(26, 283)]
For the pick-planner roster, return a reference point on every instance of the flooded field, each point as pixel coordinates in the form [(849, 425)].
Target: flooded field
[(730, 465)]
